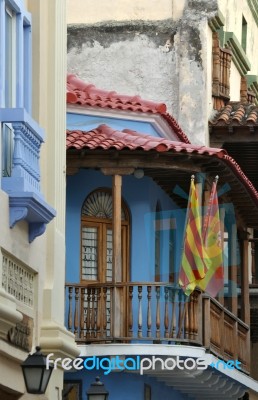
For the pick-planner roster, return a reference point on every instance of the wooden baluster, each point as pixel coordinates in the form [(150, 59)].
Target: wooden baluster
[(186, 317), (82, 319), (173, 318), (70, 308), (76, 312), (98, 317), (104, 312), (228, 56), (93, 314), (221, 72), (88, 312), (216, 65), (140, 311), (158, 312), (224, 72), (149, 311), (166, 319), (130, 312)]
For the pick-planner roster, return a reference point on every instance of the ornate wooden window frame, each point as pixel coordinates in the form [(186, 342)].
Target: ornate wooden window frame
[(103, 224)]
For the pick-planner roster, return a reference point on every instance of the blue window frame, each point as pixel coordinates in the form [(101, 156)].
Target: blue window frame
[(10, 56), (7, 149), (15, 69), (15, 55), (21, 137)]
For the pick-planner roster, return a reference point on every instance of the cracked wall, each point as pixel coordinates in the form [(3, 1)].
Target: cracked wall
[(165, 61)]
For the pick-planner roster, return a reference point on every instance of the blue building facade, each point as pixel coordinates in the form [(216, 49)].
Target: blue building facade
[(127, 191)]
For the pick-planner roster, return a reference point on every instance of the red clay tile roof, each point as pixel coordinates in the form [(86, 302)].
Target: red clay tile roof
[(83, 93), (237, 114), (107, 138), (79, 92)]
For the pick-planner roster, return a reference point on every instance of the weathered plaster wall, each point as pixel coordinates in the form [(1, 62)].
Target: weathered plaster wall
[(163, 61), (131, 58), (168, 59)]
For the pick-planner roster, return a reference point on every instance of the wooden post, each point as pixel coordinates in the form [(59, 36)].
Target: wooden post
[(118, 310), (206, 321), (232, 246), (117, 253), (117, 257), (222, 230), (245, 303)]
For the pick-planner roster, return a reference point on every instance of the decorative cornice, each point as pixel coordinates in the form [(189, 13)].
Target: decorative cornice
[(238, 55), (31, 208), (253, 5), (217, 21)]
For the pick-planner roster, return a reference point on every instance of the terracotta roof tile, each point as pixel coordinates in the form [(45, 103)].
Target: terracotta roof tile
[(107, 138), (237, 114), (79, 92), (82, 93)]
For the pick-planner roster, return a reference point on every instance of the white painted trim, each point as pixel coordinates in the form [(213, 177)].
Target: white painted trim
[(158, 123), (100, 350), (140, 350), (234, 374)]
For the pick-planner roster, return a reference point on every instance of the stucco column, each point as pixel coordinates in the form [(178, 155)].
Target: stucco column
[(49, 109)]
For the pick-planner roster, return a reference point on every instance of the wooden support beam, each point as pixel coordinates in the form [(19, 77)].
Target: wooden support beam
[(117, 257), (245, 302), (117, 253), (117, 171), (222, 230), (232, 248), (175, 161)]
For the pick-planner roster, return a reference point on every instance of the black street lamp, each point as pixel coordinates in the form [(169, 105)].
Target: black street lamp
[(36, 375), (97, 391)]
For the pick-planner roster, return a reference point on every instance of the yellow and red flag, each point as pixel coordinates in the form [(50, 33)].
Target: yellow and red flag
[(212, 239), (195, 263)]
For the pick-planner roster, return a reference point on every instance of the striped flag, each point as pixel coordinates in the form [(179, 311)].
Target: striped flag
[(212, 239), (194, 264)]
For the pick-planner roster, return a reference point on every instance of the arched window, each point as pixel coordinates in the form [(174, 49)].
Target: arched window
[(96, 237)]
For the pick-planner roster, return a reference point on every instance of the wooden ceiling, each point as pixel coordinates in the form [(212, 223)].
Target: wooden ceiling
[(171, 170)]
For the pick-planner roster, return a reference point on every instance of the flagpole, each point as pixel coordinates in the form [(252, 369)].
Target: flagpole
[(182, 316), (186, 218)]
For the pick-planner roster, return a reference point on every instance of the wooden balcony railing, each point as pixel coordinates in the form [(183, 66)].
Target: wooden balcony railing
[(152, 312), (224, 334), (220, 73), (157, 313)]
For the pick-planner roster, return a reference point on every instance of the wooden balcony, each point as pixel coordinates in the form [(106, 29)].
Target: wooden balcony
[(156, 313)]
